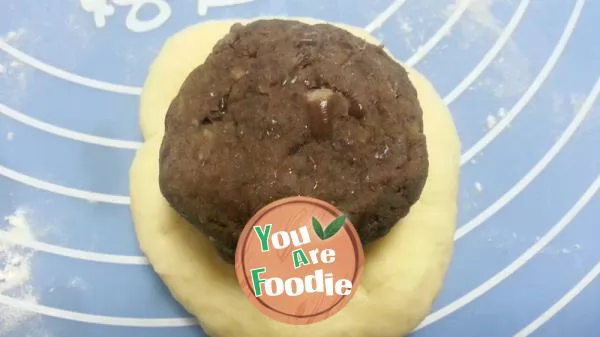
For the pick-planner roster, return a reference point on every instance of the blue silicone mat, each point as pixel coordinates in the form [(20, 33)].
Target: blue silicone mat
[(521, 77)]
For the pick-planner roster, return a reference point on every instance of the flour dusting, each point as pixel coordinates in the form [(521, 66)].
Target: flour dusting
[(10, 35), (478, 187), (479, 26), (14, 70), (491, 121), (15, 271), (501, 112), (478, 22), (569, 250), (406, 27), (13, 35), (78, 283), (480, 12)]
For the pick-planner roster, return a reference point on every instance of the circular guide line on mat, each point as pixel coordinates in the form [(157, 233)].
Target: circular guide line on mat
[(379, 20)]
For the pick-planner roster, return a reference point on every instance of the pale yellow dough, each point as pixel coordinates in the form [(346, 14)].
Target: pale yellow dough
[(404, 271)]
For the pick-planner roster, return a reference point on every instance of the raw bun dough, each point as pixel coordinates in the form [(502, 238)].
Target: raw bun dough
[(404, 270)]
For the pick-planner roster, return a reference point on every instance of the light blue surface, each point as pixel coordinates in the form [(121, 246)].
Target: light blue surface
[(528, 195)]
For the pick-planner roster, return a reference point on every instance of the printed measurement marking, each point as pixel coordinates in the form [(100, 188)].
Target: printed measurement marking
[(101, 9)]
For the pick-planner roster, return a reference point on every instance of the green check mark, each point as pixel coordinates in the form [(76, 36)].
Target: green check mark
[(331, 229)]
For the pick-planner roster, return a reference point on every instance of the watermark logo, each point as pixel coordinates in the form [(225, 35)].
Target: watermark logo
[(299, 260)]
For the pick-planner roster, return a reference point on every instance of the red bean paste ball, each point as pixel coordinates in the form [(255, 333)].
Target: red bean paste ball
[(282, 108)]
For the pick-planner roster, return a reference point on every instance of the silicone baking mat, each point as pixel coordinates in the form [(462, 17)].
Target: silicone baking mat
[(521, 78)]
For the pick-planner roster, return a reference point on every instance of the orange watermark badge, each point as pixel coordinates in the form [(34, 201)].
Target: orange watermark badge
[(299, 260)]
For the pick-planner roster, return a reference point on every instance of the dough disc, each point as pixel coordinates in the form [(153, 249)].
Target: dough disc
[(403, 272)]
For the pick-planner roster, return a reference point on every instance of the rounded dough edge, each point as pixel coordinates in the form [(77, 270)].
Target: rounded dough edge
[(404, 270)]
